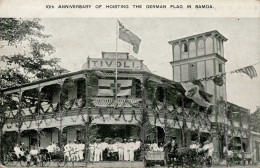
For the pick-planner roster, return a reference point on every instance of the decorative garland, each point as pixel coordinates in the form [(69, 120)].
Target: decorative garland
[(100, 112), (74, 120), (28, 126), (46, 123)]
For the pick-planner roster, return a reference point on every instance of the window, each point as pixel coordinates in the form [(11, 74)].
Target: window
[(80, 136), (220, 68), (33, 142), (193, 71), (81, 88), (184, 47), (138, 90), (160, 94)]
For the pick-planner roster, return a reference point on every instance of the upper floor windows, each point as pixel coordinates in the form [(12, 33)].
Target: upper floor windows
[(184, 47), (220, 68)]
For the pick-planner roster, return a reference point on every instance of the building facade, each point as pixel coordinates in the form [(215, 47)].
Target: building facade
[(60, 109)]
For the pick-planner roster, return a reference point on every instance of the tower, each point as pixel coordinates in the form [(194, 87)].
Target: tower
[(200, 56)]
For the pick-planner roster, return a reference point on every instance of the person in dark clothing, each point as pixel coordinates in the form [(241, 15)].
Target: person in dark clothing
[(170, 149)]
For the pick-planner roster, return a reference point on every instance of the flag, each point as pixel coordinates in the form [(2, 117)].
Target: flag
[(107, 87), (249, 70), (192, 92), (129, 37)]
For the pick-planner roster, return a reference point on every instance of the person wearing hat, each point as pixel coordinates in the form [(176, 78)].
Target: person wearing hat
[(91, 150), (104, 146), (126, 152), (97, 150), (137, 152), (116, 148), (154, 146), (57, 147), (73, 150), (50, 148), (23, 147), (131, 148), (76, 151), (81, 148), (170, 149), (160, 147), (120, 147), (18, 151), (194, 145), (208, 148), (68, 151), (228, 154)]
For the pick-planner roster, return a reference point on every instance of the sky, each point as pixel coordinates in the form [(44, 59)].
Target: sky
[(75, 39)]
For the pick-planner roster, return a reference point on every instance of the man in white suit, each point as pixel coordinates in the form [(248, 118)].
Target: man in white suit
[(126, 152), (91, 150)]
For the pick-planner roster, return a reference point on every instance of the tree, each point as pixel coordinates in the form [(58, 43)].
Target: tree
[(33, 63), (17, 30), (255, 120)]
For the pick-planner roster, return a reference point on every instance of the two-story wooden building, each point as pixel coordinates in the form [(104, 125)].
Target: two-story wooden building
[(133, 103)]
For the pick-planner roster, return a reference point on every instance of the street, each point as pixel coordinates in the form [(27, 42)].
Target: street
[(122, 164)]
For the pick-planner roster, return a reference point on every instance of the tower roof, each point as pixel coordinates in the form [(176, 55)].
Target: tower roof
[(215, 32)]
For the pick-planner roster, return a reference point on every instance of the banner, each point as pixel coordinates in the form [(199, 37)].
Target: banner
[(107, 87)]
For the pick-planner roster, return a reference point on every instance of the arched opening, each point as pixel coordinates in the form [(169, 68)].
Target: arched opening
[(160, 135), (49, 135), (184, 47), (29, 138), (10, 138), (160, 94)]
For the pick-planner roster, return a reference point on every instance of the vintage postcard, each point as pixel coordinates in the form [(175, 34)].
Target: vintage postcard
[(129, 83)]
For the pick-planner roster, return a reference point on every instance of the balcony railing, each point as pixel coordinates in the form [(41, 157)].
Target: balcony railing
[(120, 102), (76, 107)]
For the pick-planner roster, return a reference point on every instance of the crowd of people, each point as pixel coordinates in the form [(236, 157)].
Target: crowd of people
[(154, 146), (116, 149), (206, 147), (112, 149), (74, 151)]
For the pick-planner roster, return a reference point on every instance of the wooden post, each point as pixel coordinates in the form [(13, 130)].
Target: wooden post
[(183, 128), (20, 119), (1, 126), (143, 111), (38, 117), (59, 110), (87, 122)]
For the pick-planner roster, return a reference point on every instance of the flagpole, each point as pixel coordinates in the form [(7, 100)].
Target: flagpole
[(116, 58)]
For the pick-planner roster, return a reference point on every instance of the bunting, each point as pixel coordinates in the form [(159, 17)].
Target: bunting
[(249, 70), (218, 79)]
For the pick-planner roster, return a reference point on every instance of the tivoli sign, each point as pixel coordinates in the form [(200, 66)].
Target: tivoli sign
[(111, 64)]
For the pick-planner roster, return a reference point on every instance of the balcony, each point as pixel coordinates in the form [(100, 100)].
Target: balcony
[(120, 102)]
